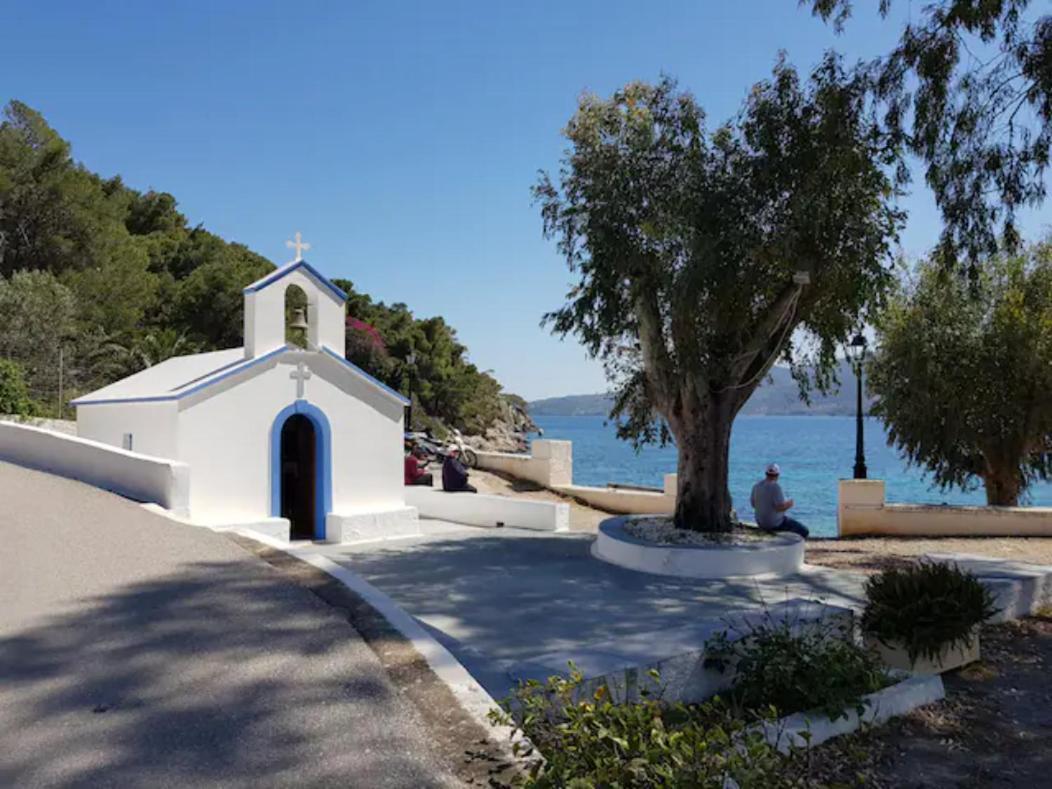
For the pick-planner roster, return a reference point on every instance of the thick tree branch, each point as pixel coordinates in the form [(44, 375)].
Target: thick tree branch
[(656, 362), (771, 325)]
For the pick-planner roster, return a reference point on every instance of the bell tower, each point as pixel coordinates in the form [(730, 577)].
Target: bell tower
[(265, 308)]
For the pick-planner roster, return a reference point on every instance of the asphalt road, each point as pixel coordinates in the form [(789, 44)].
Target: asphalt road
[(139, 652)]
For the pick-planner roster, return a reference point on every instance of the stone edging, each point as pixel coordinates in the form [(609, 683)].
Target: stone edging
[(782, 554), (805, 729)]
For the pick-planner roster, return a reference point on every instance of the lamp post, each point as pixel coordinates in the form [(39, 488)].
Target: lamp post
[(856, 351), (410, 361)]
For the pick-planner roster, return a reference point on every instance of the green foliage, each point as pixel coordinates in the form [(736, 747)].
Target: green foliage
[(687, 244), (594, 742), (444, 384), (968, 88), (14, 394), (963, 373), (110, 280), (925, 607), (812, 666)]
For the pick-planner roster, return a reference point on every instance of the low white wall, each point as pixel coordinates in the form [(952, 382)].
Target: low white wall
[(626, 501), (140, 477), (477, 509), (863, 510), (550, 463)]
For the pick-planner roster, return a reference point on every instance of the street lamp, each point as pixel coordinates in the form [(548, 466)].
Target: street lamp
[(856, 352), (410, 361)]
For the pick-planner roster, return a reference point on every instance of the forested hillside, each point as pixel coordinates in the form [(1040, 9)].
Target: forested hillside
[(779, 394), (98, 280)]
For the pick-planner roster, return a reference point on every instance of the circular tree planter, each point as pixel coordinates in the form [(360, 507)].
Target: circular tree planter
[(775, 554)]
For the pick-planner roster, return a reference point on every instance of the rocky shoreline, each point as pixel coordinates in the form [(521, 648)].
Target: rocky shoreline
[(510, 430)]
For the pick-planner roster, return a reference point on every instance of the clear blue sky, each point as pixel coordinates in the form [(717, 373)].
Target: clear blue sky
[(402, 139)]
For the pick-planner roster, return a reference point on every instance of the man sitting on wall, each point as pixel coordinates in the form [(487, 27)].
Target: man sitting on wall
[(416, 468), (455, 475), (770, 505)]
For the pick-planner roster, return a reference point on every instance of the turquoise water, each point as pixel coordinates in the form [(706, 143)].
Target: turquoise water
[(813, 451)]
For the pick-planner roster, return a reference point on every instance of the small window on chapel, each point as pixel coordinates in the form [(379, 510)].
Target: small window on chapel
[(296, 316), (127, 441)]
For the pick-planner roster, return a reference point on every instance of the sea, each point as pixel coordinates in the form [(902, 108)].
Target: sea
[(813, 452)]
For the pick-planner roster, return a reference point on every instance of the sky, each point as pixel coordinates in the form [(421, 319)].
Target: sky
[(401, 138)]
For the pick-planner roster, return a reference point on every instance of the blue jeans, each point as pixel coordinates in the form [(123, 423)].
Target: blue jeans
[(793, 525)]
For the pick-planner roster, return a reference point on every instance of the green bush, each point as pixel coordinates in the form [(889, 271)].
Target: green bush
[(14, 393), (593, 742), (814, 666), (925, 607)]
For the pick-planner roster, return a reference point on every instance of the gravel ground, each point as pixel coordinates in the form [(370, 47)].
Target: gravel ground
[(139, 652), (871, 554)]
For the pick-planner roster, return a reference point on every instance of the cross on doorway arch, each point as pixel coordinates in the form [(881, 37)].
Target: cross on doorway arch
[(300, 376)]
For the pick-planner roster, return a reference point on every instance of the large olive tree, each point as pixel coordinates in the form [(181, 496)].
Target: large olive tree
[(703, 257), (964, 371)]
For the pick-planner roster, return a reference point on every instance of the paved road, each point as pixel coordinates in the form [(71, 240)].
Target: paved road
[(138, 652)]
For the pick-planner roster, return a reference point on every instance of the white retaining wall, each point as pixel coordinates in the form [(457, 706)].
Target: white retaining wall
[(478, 509), (862, 509), (550, 463), (140, 477)]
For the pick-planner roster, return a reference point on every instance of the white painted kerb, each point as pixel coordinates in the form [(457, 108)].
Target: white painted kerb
[(780, 554), (139, 477)]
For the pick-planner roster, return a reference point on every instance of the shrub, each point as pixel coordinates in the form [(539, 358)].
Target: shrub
[(814, 666), (14, 393), (593, 742), (925, 607)]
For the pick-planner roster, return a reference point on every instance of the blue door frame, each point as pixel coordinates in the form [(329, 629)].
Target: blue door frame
[(322, 462)]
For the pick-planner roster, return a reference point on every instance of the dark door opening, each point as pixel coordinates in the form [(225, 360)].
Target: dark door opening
[(298, 476)]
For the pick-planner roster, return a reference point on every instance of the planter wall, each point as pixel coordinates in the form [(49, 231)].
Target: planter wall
[(779, 554), (805, 729), (951, 657)]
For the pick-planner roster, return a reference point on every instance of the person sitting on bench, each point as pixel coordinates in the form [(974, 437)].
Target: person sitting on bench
[(416, 468), (455, 475)]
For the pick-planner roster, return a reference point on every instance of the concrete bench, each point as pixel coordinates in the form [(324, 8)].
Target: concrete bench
[(478, 509)]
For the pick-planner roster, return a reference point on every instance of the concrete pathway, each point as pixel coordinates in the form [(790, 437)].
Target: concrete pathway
[(512, 604), (138, 652)]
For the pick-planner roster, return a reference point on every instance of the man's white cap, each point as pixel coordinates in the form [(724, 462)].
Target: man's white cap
[(773, 470)]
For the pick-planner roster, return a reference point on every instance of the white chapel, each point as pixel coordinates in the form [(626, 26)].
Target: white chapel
[(271, 432)]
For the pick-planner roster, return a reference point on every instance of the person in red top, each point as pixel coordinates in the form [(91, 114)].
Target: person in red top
[(416, 468)]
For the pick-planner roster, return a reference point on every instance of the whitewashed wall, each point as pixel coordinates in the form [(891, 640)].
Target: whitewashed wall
[(862, 510), (152, 426), (549, 463), (132, 474), (225, 434)]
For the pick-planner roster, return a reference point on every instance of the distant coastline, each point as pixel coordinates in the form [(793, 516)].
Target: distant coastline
[(777, 396)]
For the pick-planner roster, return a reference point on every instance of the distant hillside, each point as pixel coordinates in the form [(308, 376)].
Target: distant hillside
[(779, 395)]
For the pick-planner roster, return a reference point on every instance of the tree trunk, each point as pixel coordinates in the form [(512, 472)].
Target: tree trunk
[(703, 438), (1002, 487)]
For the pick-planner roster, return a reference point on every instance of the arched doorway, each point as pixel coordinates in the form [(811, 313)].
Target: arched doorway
[(299, 476), (301, 435)]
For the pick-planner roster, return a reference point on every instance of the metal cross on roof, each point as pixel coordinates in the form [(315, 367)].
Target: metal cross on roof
[(299, 245)]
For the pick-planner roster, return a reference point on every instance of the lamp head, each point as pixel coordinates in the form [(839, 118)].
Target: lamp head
[(856, 349)]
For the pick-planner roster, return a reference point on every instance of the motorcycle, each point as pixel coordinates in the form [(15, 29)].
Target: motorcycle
[(438, 451)]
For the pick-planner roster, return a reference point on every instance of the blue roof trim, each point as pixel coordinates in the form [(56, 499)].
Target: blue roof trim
[(284, 270), (359, 371), (179, 395)]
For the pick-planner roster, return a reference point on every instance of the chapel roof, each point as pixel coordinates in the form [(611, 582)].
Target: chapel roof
[(184, 375)]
